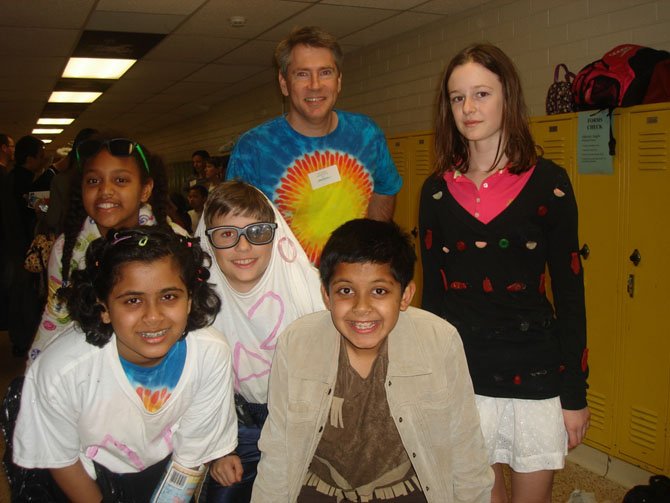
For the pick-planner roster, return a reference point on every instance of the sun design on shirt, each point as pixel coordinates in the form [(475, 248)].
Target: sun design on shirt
[(313, 214), (153, 400)]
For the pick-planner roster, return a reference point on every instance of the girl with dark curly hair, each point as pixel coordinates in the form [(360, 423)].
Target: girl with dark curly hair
[(118, 184), (123, 401)]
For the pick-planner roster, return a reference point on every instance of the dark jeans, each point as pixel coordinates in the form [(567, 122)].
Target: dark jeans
[(247, 450)]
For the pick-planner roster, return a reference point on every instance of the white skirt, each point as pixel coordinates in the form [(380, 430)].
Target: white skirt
[(527, 435)]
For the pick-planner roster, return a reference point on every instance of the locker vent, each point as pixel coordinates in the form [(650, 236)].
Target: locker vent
[(555, 150), (400, 160), (423, 165), (643, 428), (597, 403), (652, 150)]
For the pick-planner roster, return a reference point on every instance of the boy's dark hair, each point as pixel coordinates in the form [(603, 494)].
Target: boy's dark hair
[(202, 153), (369, 241), (237, 198), (201, 189), (76, 214), (146, 244)]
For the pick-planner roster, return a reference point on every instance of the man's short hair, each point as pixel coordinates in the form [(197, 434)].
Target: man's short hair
[(202, 153), (4, 139), (312, 36), (363, 241), (28, 146)]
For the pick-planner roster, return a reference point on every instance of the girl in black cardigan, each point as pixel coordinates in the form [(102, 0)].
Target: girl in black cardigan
[(492, 217)]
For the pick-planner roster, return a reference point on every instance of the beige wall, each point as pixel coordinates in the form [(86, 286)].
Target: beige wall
[(395, 81)]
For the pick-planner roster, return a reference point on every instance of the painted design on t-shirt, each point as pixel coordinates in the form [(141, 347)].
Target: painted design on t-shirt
[(313, 214), (154, 385), (250, 363)]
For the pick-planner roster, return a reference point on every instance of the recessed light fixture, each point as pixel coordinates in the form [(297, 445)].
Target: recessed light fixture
[(73, 97), (47, 130), (46, 140), (97, 68), (52, 121)]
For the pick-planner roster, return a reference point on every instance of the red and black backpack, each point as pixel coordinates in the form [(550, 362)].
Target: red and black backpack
[(620, 78)]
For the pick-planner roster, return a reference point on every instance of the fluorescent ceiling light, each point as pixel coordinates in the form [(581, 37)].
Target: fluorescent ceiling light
[(97, 68), (52, 121), (73, 97), (47, 140), (47, 131)]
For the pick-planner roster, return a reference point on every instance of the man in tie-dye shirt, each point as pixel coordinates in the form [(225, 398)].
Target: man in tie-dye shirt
[(320, 166)]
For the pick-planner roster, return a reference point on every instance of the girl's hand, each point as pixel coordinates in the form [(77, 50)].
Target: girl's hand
[(227, 470), (576, 424)]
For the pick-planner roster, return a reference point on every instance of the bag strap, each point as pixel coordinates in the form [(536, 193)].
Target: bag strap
[(569, 76)]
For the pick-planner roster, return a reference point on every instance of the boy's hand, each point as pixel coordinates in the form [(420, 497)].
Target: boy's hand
[(227, 470)]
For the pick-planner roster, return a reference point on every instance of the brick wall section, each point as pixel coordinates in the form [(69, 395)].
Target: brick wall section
[(396, 81)]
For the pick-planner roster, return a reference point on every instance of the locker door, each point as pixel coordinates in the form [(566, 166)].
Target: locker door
[(424, 165), (646, 341), (599, 200), (401, 155)]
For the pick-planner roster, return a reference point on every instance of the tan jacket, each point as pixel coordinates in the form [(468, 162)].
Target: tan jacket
[(429, 394)]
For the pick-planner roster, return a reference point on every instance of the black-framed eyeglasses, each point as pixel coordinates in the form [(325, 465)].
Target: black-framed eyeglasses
[(227, 236), (118, 147)]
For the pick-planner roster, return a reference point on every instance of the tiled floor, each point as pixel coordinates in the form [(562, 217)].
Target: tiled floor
[(572, 478)]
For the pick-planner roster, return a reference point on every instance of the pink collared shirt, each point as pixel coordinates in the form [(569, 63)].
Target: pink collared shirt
[(495, 193)]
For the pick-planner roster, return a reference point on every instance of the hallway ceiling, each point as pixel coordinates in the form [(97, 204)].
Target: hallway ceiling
[(195, 58)]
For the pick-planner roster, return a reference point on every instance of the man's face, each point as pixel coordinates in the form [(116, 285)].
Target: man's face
[(8, 150), (199, 165), (312, 84)]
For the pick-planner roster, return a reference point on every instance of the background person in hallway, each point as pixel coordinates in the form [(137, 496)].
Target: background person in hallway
[(492, 217), (320, 167), (6, 161), (198, 158), (24, 303)]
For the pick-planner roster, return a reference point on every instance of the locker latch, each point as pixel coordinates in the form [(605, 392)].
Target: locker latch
[(635, 257), (630, 285)]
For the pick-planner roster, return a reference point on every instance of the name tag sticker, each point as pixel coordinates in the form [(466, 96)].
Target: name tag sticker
[(324, 177)]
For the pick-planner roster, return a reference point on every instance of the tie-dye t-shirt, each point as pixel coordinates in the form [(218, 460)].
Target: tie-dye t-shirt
[(317, 183), (154, 385)]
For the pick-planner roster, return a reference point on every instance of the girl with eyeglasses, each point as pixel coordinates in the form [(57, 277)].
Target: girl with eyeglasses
[(117, 184), (265, 282), (136, 397)]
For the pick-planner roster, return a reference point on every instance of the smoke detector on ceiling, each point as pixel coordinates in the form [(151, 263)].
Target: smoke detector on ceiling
[(237, 21)]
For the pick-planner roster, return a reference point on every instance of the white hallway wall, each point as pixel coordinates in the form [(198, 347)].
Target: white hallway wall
[(395, 82)]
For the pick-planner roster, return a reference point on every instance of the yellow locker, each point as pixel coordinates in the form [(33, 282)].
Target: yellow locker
[(622, 223), (413, 155), (645, 366)]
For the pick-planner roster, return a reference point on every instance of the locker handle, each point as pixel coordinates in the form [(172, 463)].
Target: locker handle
[(630, 285), (585, 251), (635, 257)]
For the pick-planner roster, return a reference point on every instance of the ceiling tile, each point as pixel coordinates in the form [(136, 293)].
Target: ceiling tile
[(224, 73), (46, 13), (376, 4), (254, 52), (42, 42), (262, 15), (380, 31), (161, 71), (133, 22), (198, 48), (338, 20), (177, 7)]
